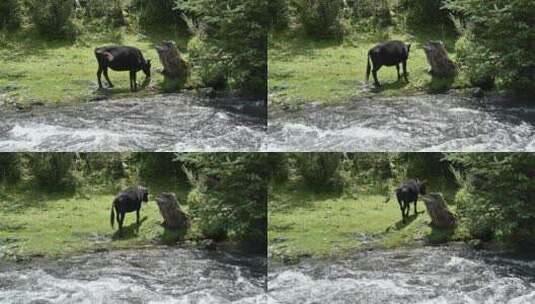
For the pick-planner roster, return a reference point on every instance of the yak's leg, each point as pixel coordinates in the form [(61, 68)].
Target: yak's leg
[(121, 219), (137, 217), (399, 75), (402, 209), (415, 211), (117, 215), (404, 63), (374, 72), (107, 78), (135, 81), (133, 84), (99, 75)]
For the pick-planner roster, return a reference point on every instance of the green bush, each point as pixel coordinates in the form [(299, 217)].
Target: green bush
[(158, 166), (229, 195), (497, 194), (319, 18), (477, 62), (278, 14), (498, 42), (110, 10), (212, 69), (426, 13), (52, 18), (235, 37), (10, 14), (10, 167), (318, 170), (51, 171), (157, 13)]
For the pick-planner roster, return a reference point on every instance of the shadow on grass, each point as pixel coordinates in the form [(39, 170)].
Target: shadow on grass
[(439, 84), (390, 86), (402, 224), (30, 196), (128, 232), (287, 45), (439, 236), (24, 43), (170, 237), (296, 195)]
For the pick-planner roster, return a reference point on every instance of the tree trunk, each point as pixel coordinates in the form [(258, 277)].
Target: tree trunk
[(441, 216), (437, 57), (174, 217), (175, 67)]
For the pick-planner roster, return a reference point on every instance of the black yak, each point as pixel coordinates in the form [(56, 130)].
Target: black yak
[(389, 54)]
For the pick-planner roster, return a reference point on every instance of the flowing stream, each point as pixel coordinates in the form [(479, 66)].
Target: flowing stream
[(173, 122), (447, 122), (138, 276), (451, 275)]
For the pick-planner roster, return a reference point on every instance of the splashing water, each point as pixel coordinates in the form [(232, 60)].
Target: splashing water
[(161, 123), (139, 276), (425, 275), (414, 123)]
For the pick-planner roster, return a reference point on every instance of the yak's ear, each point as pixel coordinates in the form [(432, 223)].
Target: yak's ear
[(408, 48)]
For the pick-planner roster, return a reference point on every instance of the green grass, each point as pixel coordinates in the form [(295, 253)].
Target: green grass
[(304, 223), (34, 69), (302, 69), (36, 223)]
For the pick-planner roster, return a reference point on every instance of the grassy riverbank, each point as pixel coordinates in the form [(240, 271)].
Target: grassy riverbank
[(330, 71), (33, 223), (37, 70), (305, 223)]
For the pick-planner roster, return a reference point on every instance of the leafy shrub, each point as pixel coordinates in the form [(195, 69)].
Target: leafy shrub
[(499, 37), (233, 32), (425, 13), (51, 170), (52, 17), (10, 14), (157, 166), (278, 14), (229, 194), (212, 69), (318, 170), (477, 61), (10, 167), (319, 18), (157, 13), (497, 194)]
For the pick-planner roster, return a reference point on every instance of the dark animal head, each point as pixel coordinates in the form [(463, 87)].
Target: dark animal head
[(421, 186), (143, 194), (146, 68)]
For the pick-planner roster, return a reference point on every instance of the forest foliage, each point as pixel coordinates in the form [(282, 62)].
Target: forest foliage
[(228, 38), (227, 196), (494, 193), (494, 38)]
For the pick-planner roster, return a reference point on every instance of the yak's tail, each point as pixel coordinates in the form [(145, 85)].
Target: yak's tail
[(368, 68), (112, 217)]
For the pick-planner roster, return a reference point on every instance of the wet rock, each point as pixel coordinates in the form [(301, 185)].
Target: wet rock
[(175, 67), (476, 244), (208, 244), (174, 217), (478, 93), (437, 57), (441, 216), (207, 92), (279, 239)]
